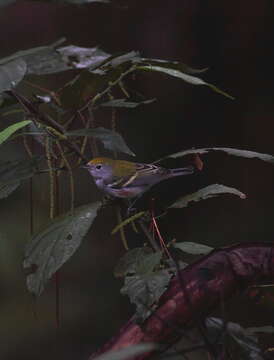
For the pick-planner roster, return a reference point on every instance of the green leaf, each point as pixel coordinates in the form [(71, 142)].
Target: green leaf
[(51, 248), (6, 133), (193, 248), (183, 76), (110, 139), (145, 290), (230, 151), (131, 260), (11, 74), (125, 103), (206, 193), (127, 353)]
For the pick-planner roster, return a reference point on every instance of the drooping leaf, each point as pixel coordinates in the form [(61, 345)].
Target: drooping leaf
[(193, 248), (48, 250), (206, 193), (98, 79), (11, 74), (145, 290), (127, 353), (172, 65), (110, 139), (127, 221), (230, 151), (183, 76), (125, 103), (6, 133)]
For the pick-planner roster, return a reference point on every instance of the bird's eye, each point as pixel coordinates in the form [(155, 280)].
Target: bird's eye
[(98, 167)]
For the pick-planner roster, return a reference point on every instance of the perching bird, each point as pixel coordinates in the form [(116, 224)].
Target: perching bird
[(126, 179)]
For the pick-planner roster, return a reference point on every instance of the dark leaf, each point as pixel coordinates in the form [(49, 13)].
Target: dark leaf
[(206, 193), (130, 261), (268, 329), (11, 74), (125, 103), (145, 290), (7, 189), (193, 248), (6, 2), (10, 130), (183, 76), (51, 248), (127, 353), (230, 151), (110, 139)]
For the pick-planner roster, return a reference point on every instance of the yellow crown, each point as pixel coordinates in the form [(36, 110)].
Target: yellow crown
[(100, 160)]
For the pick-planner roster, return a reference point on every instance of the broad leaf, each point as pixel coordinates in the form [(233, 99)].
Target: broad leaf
[(6, 133), (206, 193), (193, 248), (11, 74), (145, 290), (110, 139), (51, 248), (124, 103), (183, 76), (230, 151), (127, 353), (131, 260)]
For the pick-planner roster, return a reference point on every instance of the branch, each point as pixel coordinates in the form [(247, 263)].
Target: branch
[(218, 276)]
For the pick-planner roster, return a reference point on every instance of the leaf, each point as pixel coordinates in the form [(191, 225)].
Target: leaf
[(6, 133), (125, 103), (110, 139), (129, 262), (17, 170), (193, 248), (145, 291), (183, 76), (51, 248), (11, 74), (206, 193), (268, 329), (230, 151), (7, 189), (127, 353), (127, 221)]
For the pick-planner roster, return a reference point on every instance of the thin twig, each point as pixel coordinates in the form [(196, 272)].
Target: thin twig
[(122, 230)]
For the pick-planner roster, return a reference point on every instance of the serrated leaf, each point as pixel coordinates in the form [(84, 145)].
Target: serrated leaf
[(193, 248), (48, 250), (6, 133), (206, 193), (183, 76), (127, 353), (145, 291), (110, 139), (11, 74), (230, 151), (124, 103)]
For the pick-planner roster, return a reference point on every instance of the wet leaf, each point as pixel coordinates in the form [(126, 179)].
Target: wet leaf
[(145, 290), (110, 139), (230, 151), (48, 250), (193, 248), (6, 133), (206, 193), (127, 353), (125, 103), (183, 76), (11, 74)]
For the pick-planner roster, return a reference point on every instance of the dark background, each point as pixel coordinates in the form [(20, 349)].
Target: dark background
[(235, 40)]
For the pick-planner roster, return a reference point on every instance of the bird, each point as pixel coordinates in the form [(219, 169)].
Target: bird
[(126, 179)]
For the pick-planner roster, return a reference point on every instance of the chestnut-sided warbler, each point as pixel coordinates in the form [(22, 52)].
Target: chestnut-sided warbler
[(126, 179)]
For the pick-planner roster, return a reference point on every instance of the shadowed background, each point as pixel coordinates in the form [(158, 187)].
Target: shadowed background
[(235, 41)]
